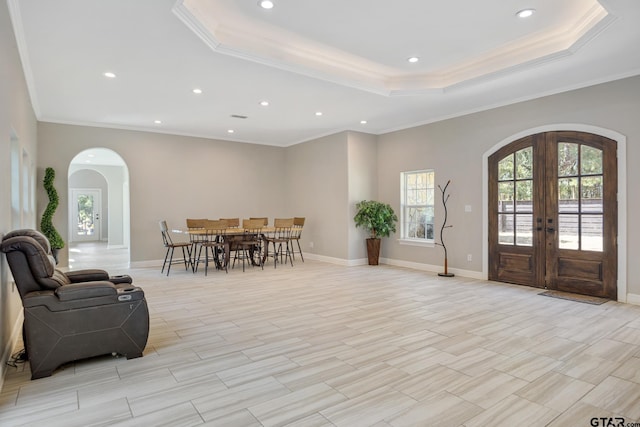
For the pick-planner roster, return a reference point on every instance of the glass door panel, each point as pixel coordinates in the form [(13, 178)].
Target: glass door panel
[(580, 186), (86, 210)]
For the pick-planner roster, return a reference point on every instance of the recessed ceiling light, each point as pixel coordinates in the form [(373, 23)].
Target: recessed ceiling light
[(413, 59), (363, 122), (110, 75), (525, 13), (266, 4), (264, 103), (158, 122), (197, 91), (318, 113), (230, 131)]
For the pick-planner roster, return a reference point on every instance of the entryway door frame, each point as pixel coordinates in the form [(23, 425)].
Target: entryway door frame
[(73, 212), (622, 193)]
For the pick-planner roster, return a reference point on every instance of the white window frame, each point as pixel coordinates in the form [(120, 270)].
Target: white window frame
[(404, 207)]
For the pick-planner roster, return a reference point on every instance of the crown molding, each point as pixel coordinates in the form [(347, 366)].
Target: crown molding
[(241, 38)]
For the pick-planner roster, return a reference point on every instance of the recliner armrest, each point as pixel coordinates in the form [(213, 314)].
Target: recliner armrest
[(88, 275), (86, 290), (122, 279)]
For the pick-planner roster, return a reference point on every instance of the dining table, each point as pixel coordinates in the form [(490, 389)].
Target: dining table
[(229, 235)]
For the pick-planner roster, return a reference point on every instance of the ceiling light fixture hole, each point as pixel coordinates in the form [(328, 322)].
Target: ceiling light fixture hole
[(525, 13)]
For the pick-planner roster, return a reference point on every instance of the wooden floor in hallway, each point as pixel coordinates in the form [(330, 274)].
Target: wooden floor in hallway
[(318, 344)]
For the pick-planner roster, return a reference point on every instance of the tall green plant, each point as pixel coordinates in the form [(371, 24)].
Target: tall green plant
[(46, 224), (377, 218)]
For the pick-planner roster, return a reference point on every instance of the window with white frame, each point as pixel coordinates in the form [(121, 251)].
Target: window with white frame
[(418, 205)]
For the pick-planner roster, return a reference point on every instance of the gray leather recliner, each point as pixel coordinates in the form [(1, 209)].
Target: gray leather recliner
[(74, 315)]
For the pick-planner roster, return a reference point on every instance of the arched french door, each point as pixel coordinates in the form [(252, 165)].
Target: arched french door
[(553, 213)]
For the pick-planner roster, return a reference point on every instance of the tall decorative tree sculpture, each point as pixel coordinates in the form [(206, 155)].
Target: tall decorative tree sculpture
[(445, 198), (46, 224)]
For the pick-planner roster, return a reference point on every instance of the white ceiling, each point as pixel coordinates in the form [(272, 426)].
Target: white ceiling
[(347, 59)]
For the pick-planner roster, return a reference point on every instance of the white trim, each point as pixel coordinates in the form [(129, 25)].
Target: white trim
[(114, 246), (21, 41), (396, 263), (11, 343), (622, 192), (337, 261), (633, 299), (431, 268), (414, 242)]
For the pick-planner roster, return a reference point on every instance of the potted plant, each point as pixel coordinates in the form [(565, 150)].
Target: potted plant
[(379, 220), (46, 224)]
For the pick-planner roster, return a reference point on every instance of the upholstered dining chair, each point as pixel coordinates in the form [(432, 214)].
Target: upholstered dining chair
[(171, 246), (281, 240)]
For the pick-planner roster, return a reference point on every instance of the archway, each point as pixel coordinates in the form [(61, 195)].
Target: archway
[(99, 216)]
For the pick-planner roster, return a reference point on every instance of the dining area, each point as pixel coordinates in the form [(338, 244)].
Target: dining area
[(227, 243)]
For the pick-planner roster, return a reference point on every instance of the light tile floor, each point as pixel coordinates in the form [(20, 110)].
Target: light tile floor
[(323, 345)]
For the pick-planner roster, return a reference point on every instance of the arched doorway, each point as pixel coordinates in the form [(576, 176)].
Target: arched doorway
[(99, 218), (553, 213)]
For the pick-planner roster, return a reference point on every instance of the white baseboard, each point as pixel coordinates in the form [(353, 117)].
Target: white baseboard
[(337, 261), (398, 263), (432, 268), (633, 299), (117, 246), (16, 332)]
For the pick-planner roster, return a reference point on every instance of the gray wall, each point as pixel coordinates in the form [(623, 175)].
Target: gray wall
[(176, 177), (454, 149), (363, 185), (317, 188), (17, 122), (172, 178)]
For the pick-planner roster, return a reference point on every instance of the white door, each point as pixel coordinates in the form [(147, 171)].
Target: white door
[(86, 208)]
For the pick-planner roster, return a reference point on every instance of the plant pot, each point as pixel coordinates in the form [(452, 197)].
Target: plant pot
[(373, 250)]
